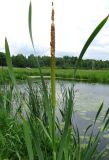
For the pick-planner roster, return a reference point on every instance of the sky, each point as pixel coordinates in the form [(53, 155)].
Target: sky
[(74, 19)]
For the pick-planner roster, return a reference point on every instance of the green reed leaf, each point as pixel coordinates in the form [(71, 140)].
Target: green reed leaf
[(44, 129), (100, 155), (106, 114), (106, 124), (91, 38), (98, 113), (9, 62), (35, 136), (67, 123), (30, 22), (92, 148), (87, 129), (28, 140)]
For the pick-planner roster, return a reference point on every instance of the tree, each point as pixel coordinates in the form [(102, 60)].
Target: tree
[(46, 61), (19, 61), (2, 59), (32, 61)]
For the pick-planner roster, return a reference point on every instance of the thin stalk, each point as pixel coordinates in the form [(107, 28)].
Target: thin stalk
[(53, 81)]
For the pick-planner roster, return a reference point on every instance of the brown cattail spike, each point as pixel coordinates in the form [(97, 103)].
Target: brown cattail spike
[(52, 45), (52, 32), (52, 18), (52, 4)]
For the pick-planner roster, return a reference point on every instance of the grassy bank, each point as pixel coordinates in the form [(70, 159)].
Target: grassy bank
[(101, 76)]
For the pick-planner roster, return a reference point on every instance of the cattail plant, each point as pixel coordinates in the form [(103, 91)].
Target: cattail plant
[(53, 81), (41, 140)]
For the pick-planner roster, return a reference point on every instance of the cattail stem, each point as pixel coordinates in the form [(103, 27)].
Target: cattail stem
[(53, 81)]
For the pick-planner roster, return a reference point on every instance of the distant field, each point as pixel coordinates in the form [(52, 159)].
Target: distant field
[(101, 76)]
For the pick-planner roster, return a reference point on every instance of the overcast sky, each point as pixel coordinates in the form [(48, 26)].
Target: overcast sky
[(75, 20)]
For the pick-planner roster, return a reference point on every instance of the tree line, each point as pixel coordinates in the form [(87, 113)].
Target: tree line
[(22, 61)]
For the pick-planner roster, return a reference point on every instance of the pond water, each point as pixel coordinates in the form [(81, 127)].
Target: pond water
[(88, 98)]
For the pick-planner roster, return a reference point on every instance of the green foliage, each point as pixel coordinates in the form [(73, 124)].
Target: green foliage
[(12, 144), (65, 62), (2, 59), (19, 61), (32, 62)]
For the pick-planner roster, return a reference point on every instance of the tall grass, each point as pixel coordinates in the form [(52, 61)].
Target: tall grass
[(35, 133), (99, 76)]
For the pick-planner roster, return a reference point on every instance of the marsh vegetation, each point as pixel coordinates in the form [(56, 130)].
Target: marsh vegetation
[(30, 127)]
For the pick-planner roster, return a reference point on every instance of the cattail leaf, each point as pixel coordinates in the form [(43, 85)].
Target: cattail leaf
[(107, 112), (62, 113), (9, 62), (86, 133), (28, 140), (87, 129), (66, 127), (44, 129), (77, 134), (100, 155), (92, 148), (98, 113), (66, 150), (91, 38), (106, 124), (36, 138), (30, 23), (10, 70)]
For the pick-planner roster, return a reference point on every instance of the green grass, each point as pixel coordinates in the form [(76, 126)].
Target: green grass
[(101, 76)]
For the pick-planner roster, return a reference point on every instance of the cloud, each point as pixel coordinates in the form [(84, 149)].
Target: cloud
[(97, 53), (75, 21)]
